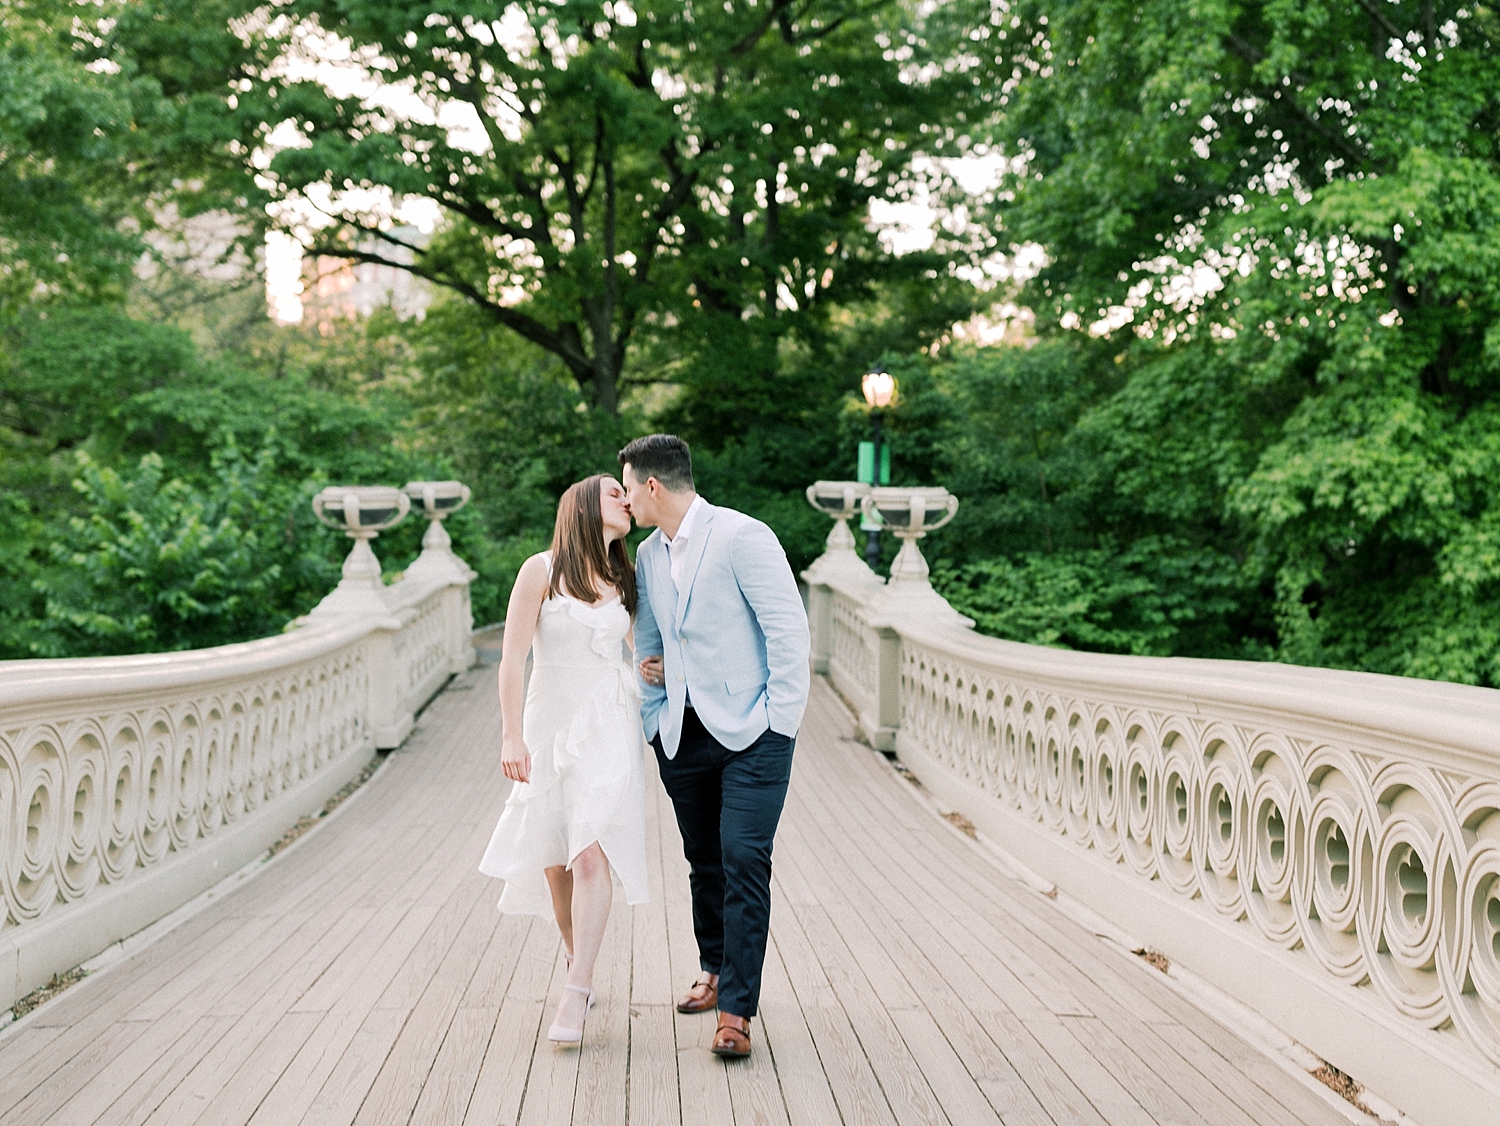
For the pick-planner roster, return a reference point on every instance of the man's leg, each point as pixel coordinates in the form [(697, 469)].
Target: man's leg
[(754, 790), (691, 780)]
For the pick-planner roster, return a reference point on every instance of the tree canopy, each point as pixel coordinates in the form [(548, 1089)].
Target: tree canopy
[(694, 177), (1247, 408), (1273, 235)]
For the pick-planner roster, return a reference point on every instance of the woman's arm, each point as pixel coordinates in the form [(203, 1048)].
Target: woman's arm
[(520, 629)]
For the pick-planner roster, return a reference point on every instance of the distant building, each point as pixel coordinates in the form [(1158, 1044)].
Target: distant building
[(337, 289)]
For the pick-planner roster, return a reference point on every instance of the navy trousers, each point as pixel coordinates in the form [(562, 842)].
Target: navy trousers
[(728, 804)]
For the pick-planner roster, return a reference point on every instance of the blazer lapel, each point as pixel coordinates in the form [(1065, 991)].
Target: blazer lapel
[(661, 579), (696, 543)]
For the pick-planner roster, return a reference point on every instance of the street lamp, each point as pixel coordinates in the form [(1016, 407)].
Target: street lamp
[(879, 387)]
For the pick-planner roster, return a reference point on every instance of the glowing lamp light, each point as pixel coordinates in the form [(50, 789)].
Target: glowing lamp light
[(879, 387)]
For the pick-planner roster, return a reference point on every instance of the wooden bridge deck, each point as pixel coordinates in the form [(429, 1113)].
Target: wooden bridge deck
[(366, 977)]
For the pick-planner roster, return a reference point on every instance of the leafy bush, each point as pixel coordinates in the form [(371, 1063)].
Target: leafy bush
[(1151, 599), (158, 564)]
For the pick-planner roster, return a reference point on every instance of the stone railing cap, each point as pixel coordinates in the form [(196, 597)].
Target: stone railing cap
[(1429, 714), (68, 678)]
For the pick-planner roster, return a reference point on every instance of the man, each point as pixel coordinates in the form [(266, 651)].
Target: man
[(723, 641)]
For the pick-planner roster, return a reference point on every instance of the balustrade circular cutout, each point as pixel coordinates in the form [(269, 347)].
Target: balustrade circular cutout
[(1383, 868)]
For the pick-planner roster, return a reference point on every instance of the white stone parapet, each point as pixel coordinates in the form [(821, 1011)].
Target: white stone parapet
[(128, 785), (1323, 846)]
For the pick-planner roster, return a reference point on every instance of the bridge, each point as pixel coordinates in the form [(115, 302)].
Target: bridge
[(1012, 884), (365, 976)]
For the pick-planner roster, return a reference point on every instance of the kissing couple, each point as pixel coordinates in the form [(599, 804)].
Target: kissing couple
[(718, 686)]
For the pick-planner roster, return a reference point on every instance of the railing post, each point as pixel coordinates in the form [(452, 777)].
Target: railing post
[(391, 717), (437, 500), (839, 564)]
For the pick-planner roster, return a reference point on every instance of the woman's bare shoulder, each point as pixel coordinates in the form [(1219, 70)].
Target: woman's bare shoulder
[(535, 572)]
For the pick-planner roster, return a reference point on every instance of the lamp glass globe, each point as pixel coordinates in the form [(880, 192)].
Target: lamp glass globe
[(879, 387)]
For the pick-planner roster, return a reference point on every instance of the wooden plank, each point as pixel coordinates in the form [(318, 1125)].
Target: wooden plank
[(604, 1063), (655, 1094), (651, 982), (444, 1097), (849, 1071), (52, 1092), (24, 1043), (1069, 1066), (1048, 1080), (192, 993), (553, 1082), (116, 996), (238, 1099), (951, 854), (501, 1087), (654, 1091), (960, 1096), (95, 1104), (299, 1084), (1140, 1066), (341, 1097), (1260, 1104), (1147, 1054), (460, 937), (701, 1076), (805, 1089), (985, 1066), (260, 999), (450, 1086), (352, 985)]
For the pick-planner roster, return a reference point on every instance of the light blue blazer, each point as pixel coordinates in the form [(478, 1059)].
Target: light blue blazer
[(734, 637)]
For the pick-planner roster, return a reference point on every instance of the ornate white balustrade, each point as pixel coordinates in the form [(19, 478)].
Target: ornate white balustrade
[(1324, 846), (130, 784)]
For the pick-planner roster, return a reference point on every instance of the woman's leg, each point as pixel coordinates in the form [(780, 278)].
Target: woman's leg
[(592, 893), (560, 883)]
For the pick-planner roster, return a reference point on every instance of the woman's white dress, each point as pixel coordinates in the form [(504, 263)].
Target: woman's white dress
[(582, 725)]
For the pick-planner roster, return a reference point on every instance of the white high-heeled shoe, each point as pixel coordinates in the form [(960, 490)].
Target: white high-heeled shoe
[(561, 1035)]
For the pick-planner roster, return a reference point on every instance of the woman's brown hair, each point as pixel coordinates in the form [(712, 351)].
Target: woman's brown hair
[(579, 556)]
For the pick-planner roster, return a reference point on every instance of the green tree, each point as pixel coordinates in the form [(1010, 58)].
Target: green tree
[(1282, 223), (697, 175), (98, 139), (157, 564)]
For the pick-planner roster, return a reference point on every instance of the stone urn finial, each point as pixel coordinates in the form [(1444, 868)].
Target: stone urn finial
[(910, 512), (362, 512), (438, 500), (840, 500)]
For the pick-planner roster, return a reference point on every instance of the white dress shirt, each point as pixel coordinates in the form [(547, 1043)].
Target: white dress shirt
[(677, 549), (677, 545)]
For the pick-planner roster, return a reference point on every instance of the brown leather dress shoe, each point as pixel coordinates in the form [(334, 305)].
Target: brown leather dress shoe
[(704, 995), (732, 1039)]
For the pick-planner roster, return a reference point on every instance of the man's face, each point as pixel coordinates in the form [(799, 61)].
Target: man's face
[(640, 497)]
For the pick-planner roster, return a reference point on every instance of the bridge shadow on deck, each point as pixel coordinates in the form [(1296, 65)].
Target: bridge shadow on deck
[(366, 977)]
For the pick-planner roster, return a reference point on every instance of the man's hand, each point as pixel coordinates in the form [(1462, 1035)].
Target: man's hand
[(653, 671)]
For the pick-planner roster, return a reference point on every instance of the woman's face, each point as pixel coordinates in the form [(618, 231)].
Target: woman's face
[(612, 510)]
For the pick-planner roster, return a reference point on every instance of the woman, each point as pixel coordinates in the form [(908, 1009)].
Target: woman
[(575, 751)]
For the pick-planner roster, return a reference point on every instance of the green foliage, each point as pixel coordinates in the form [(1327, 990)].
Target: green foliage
[(158, 564), (1256, 415), (136, 520), (1154, 598), (1281, 226), (107, 118), (661, 190), (64, 136)]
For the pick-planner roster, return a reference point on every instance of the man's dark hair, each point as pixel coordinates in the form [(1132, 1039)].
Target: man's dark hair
[(663, 456)]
